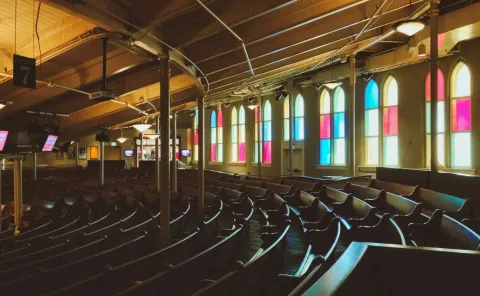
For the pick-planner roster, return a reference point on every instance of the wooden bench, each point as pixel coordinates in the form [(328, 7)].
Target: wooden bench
[(305, 186), (385, 231), (229, 185), (248, 182), (281, 190), (400, 189), (453, 206), (313, 213)]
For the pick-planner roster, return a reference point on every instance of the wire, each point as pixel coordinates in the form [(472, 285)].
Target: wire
[(15, 26), (38, 36)]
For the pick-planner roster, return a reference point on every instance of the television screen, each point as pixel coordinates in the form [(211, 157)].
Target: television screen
[(185, 153), (128, 152), (49, 143), (3, 139)]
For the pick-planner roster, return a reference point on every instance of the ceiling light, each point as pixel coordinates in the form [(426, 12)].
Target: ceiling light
[(122, 140), (409, 28), (192, 113), (141, 127), (152, 136), (72, 142), (252, 107), (2, 105), (422, 50), (332, 84)]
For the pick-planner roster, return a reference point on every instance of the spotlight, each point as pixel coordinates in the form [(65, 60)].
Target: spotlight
[(366, 76), (252, 103), (226, 105), (103, 135), (280, 94), (317, 85), (191, 113)]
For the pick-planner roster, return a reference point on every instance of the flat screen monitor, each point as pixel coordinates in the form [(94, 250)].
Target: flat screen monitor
[(3, 139), (185, 153), (49, 143), (128, 152)]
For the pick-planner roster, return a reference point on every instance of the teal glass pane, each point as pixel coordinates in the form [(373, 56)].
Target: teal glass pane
[(241, 115), (299, 129), (371, 95), (325, 152), (234, 134), (339, 125), (267, 131), (213, 119)]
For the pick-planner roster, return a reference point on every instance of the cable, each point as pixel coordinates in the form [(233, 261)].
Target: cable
[(15, 26), (38, 36)]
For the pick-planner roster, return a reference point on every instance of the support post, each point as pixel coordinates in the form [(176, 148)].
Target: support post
[(35, 167), (165, 151), (290, 126), (141, 148), (201, 157), (259, 133), (433, 83), (353, 81), (174, 152), (18, 193), (2, 161), (76, 154), (102, 163), (157, 155)]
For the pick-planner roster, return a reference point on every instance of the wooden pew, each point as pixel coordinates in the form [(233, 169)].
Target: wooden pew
[(453, 206), (281, 190), (313, 213), (400, 189)]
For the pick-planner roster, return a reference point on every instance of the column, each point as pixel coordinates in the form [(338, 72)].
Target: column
[(76, 154), (165, 151), (291, 120), (35, 167), (433, 83), (157, 155), (2, 164), (353, 81), (102, 163), (259, 133), (174, 150), (18, 193), (201, 157)]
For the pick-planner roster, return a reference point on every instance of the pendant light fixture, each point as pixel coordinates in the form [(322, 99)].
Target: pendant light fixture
[(409, 27), (331, 84), (121, 139)]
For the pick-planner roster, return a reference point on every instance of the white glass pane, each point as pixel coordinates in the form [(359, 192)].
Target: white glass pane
[(391, 151), (299, 109), (461, 150), (462, 81), (441, 117), (234, 134), (234, 153), (256, 131), (391, 92), (286, 129), (286, 109), (325, 102), (339, 152), (267, 111), (372, 151), (220, 134), (241, 116), (220, 153), (339, 99), (234, 116), (441, 149), (213, 136), (371, 122), (241, 137)]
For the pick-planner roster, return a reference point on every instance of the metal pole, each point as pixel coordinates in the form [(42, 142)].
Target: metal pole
[(290, 126), (157, 156), (353, 81), (174, 151), (259, 133), (104, 64), (18, 193), (433, 83), (102, 163), (201, 156), (35, 167), (141, 147), (76, 154), (165, 151), (1, 187)]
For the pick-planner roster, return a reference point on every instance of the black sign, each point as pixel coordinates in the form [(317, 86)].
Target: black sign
[(24, 72)]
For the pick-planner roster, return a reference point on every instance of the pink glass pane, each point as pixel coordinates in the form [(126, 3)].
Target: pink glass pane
[(441, 87), (324, 126), (390, 121), (195, 137), (220, 118), (241, 152), (213, 152), (461, 115), (177, 155), (267, 152), (256, 114)]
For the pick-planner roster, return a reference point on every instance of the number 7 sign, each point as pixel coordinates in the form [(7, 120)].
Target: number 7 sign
[(24, 72)]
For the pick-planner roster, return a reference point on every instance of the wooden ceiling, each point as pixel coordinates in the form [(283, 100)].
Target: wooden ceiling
[(283, 38)]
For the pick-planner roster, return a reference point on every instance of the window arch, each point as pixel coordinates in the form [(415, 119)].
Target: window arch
[(461, 117), (440, 118), (299, 119), (390, 122), (372, 123), (286, 120), (325, 128), (267, 132), (195, 137), (258, 121), (238, 134), (216, 136)]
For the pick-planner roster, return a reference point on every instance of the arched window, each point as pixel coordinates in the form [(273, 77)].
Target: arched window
[(299, 119), (440, 118), (339, 146), (325, 128), (195, 137), (390, 122), (258, 121), (267, 132), (238, 135), (216, 136), (461, 117), (286, 120), (371, 124)]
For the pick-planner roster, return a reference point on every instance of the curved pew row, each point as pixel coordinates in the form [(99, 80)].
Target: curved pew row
[(377, 269)]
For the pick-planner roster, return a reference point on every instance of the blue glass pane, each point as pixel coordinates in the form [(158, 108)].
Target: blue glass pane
[(299, 128), (213, 119), (325, 152), (371, 95), (267, 131), (339, 125)]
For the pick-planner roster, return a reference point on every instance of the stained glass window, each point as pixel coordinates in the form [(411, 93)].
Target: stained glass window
[(220, 136), (372, 117), (258, 127), (299, 119), (390, 122), (195, 137), (267, 133), (216, 136), (238, 135), (339, 149), (234, 134), (461, 117), (286, 120), (325, 128), (440, 118)]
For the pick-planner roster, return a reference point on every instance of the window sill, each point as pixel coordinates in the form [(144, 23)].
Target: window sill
[(263, 165), (215, 163), (237, 164), (331, 167), (457, 171), (367, 169)]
